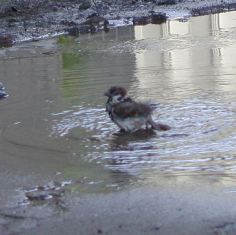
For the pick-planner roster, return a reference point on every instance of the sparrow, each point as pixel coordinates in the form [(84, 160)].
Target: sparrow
[(129, 115)]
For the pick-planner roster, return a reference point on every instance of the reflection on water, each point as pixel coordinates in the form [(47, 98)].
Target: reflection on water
[(54, 119)]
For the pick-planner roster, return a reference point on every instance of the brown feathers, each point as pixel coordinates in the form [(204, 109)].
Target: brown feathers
[(116, 90), (131, 109), (129, 115)]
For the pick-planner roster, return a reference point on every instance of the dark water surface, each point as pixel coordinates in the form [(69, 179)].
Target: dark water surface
[(53, 125)]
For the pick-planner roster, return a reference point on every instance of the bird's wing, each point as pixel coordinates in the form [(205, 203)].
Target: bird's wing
[(131, 109)]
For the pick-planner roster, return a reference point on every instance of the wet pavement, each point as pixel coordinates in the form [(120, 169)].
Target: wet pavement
[(28, 20), (58, 147)]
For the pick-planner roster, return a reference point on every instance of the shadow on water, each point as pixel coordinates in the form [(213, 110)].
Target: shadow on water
[(53, 125), (122, 140)]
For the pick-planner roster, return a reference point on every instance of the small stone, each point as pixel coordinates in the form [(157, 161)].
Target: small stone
[(156, 228), (11, 11), (3, 94), (54, 8), (158, 18), (73, 31), (143, 20), (68, 23), (167, 2), (84, 5), (6, 40)]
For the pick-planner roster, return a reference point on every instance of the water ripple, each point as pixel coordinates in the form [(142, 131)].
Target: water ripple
[(201, 139)]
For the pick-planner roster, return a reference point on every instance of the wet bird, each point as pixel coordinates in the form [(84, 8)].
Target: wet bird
[(129, 115)]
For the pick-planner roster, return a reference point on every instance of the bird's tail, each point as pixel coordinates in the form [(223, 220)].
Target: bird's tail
[(158, 126)]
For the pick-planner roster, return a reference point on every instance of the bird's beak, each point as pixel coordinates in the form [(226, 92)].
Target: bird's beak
[(107, 94)]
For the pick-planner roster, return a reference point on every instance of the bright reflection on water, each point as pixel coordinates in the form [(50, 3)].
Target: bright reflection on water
[(54, 119), (184, 67)]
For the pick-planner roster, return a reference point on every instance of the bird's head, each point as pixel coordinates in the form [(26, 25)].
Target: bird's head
[(116, 94)]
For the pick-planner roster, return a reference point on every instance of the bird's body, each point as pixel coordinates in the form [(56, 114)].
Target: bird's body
[(128, 114)]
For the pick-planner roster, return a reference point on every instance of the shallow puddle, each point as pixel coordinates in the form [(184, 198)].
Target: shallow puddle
[(53, 125)]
